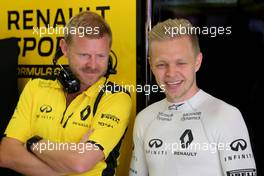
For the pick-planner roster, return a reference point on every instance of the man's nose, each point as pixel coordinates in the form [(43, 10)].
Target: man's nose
[(91, 62), (171, 70)]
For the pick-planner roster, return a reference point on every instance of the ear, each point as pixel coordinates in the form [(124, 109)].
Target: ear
[(64, 47), (150, 54), (150, 63), (198, 61)]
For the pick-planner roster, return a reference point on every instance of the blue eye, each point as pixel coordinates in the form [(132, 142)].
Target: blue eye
[(83, 55), (160, 65), (101, 55)]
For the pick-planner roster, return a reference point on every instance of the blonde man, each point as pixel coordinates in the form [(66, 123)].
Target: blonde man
[(70, 126), (189, 132)]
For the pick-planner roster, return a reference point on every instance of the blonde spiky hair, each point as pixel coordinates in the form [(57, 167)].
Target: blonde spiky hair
[(173, 28)]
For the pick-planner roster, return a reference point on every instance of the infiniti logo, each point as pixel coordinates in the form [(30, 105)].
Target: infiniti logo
[(155, 143), (250, 172), (45, 108), (239, 144), (186, 138)]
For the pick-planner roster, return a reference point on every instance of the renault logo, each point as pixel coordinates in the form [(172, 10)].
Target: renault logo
[(85, 113), (155, 143), (239, 144), (45, 108), (186, 138)]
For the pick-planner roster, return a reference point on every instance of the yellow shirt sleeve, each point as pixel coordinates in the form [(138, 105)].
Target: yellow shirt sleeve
[(111, 120), (19, 124)]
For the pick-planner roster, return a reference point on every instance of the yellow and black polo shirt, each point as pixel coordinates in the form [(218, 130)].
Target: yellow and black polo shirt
[(42, 111)]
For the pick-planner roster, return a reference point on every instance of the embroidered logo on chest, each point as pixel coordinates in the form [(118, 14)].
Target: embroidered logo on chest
[(84, 114)]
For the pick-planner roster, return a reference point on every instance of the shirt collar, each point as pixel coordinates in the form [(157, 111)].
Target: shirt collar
[(96, 87), (190, 104)]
